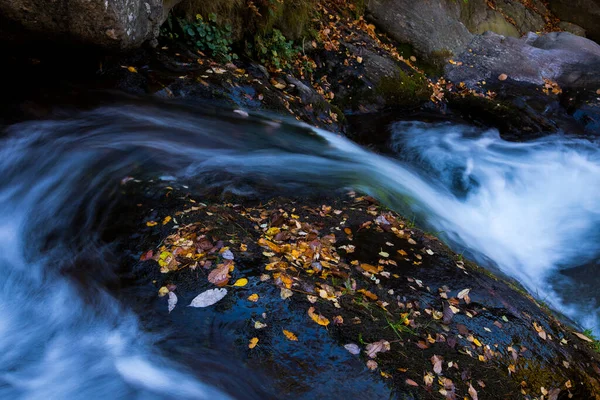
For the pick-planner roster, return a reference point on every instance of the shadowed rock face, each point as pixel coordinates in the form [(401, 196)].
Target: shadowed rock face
[(112, 24), (585, 13)]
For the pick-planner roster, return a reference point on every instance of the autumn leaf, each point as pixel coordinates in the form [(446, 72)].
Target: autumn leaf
[(285, 293), (147, 255), (372, 365), (166, 220), (259, 325), (583, 337), (163, 291), (411, 382), (253, 343), (151, 223), (318, 318), (472, 392), (377, 347), (253, 297), (352, 348), (220, 275), (290, 335), (172, 302), (208, 298), (437, 361), (132, 69), (241, 282), (502, 77), (370, 268)]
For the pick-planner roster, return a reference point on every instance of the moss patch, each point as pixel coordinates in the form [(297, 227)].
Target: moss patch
[(404, 89)]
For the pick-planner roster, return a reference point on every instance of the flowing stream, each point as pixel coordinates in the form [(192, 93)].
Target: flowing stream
[(530, 210)]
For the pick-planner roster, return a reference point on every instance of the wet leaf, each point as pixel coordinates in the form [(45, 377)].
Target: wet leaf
[(285, 293), (166, 220), (384, 254), (372, 365), (377, 347), (472, 392), (259, 325), (463, 293), (151, 223), (132, 69), (352, 348), (411, 382), (338, 320), (437, 361), (172, 302), (227, 254), (163, 291), (253, 297), (502, 77), (253, 343), (318, 318), (220, 275), (241, 282), (208, 298), (290, 336), (370, 268), (583, 337), (147, 255)]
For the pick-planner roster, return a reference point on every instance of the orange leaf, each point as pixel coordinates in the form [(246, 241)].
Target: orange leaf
[(290, 336), (253, 343), (318, 318)]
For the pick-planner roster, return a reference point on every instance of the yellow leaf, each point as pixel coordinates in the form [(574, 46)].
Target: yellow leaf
[(241, 282), (477, 342), (253, 343), (290, 336), (166, 220), (132, 69), (253, 297), (370, 268), (163, 291), (151, 223), (402, 252), (243, 247), (318, 318), (273, 231)]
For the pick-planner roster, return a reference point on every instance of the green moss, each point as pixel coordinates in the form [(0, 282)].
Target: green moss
[(404, 90)]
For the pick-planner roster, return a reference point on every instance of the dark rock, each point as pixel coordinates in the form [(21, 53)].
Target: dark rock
[(115, 24), (585, 13), (572, 28)]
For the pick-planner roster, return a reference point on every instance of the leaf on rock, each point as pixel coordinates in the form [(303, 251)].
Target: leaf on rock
[(166, 220), (472, 392), (290, 335), (502, 77), (411, 382), (147, 255), (377, 347), (172, 302), (241, 282), (318, 318), (372, 365), (463, 293), (370, 268), (208, 298), (583, 337), (352, 348), (285, 293), (253, 297), (437, 361), (253, 343), (220, 275), (259, 325), (151, 223), (163, 291)]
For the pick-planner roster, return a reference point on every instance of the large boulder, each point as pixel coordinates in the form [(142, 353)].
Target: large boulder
[(585, 13), (432, 27), (571, 61), (112, 24)]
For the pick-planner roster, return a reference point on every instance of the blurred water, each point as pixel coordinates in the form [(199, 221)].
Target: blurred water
[(529, 208)]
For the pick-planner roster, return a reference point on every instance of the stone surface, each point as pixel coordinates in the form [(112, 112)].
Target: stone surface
[(570, 60), (113, 24), (431, 26), (585, 13)]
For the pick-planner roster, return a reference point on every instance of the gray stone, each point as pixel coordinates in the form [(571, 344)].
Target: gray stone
[(571, 61), (572, 28), (113, 24), (430, 26)]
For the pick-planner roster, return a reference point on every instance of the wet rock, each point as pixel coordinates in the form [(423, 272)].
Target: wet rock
[(572, 28), (115, 24), (570, 60)]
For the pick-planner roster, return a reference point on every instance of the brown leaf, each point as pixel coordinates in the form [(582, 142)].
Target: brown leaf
[(583, 337), (472, 392), (437, 361), (502, 77), (377, 347), (372, 365), (290, 336), (220, 275), (318, 318), (411, 382)]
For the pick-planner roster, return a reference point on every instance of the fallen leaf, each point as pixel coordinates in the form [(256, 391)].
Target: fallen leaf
[(318, 318), (227, 254), (220, 275), (166, 220), (583, 337), (259, 325), (151, 223), (411, 382), (172, 302), (502, 77), (290, 336), (218, 71), (147, 255), (377, 347), (253, 343), (372, 365), (463, 293), (132, 69), (472, 392), (384, 254), (241, 282), (370, 268), (208, 298), (437, 361), (338, 320), (359, 59), (285, 293), (253, 297), (163, 291), (352, 348)]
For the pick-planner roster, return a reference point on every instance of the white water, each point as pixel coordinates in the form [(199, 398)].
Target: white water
[(534, 209)]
